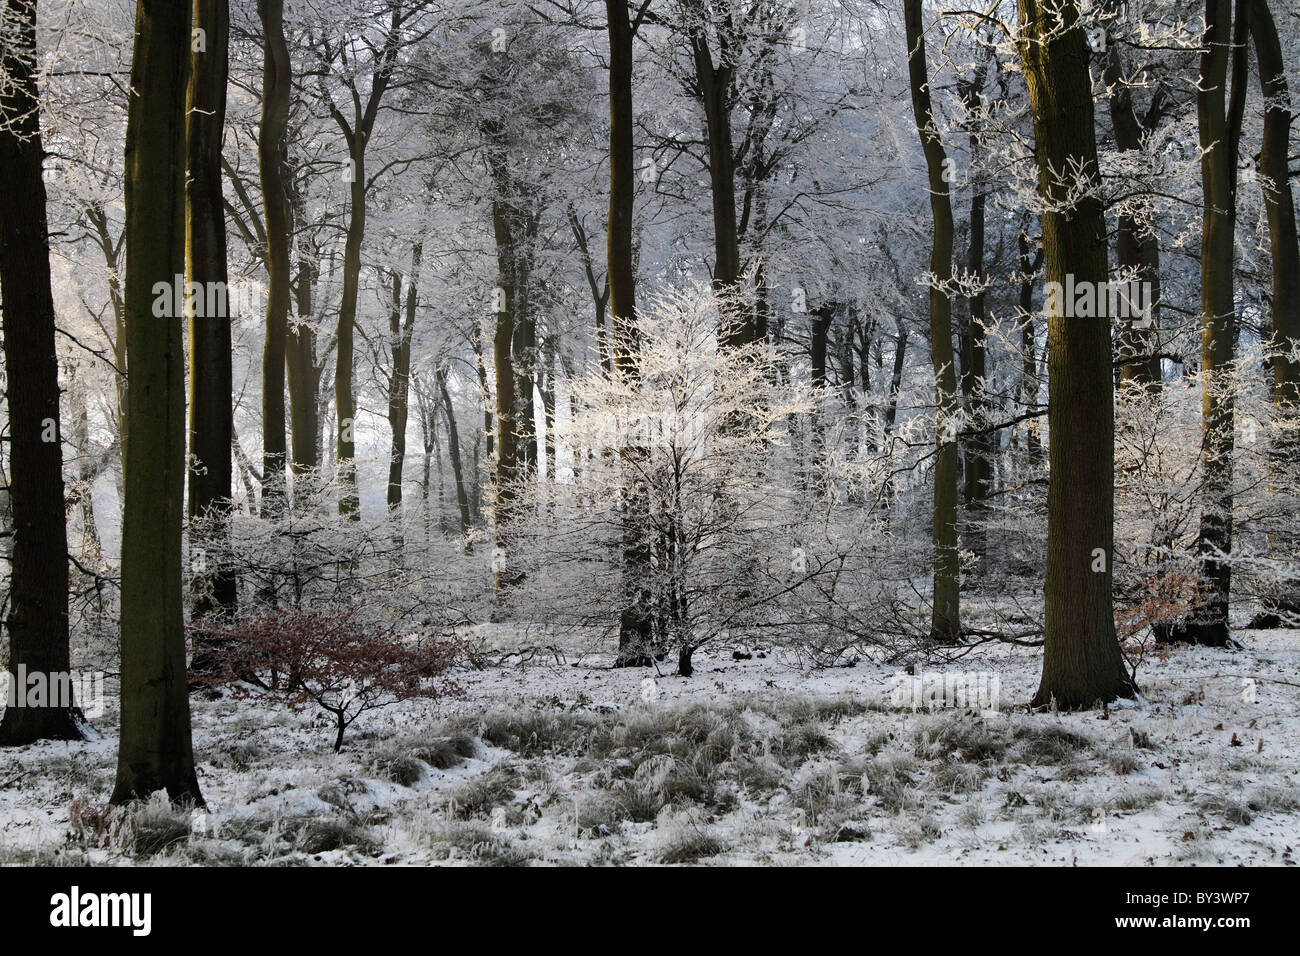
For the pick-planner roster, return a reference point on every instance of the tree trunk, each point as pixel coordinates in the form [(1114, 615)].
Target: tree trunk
[(1280, 209), (1081, 661), (896, 375), (356, 136), (489, 429), (277, 83), (344, 401), (1219, 124), (211, 377), (154, 750), (109, 248), (977, 471), (399, 384), (979, 452), (715, 87), (507, 469), (1137, 253), (524, 346), (599, 295), (1029, 340), (636, 625), (945, 620), (300, 365), (453, 451), (546, 388), (38, 610)]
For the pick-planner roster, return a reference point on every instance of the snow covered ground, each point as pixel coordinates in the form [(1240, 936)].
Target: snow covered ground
[(750, 761)]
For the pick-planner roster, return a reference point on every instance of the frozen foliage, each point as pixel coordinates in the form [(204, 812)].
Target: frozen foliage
[(748, 762)]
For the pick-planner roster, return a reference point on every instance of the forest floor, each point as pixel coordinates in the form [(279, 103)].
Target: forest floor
[(752, 761)]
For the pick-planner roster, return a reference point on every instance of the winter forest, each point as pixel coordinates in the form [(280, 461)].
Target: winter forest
[(639, 432)]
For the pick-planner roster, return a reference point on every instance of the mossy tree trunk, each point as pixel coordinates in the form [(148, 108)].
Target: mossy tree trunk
[(1280, 209), (155, 750), (211, 411), (1082, 663), (1279, 206)]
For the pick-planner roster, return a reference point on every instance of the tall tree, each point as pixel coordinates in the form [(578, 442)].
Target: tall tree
[(277, 82), (714, 82), (977, 467), (357, 130), (945, 618), (1279, 206), (1275, 178), (38, 609), (636, 622), (505, 230), (401, 329), (453, 452), (303, 372), (1082, 663), (1219, 116), (1137, 250), (155, 750), (211, 380), (1028, 268)]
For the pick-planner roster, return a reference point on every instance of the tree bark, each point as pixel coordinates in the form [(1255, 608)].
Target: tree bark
[(38, 608), (344, 400), (356, 135), (277, 81), (1082, 663), (453, 451), (1280, 209), (399, 385), (945, 619), (155, 750), (977, 471), (1136, 252), (1029, 340), (507, 464), (1279, 206), (211, 376), (599, 293), (300, 366), (738, 327), (1219, 123), (636, 622)]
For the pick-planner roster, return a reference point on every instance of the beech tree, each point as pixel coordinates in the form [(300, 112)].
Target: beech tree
[(1081, 656), (154, 748), (277, 83), (1219, 118), (211, 375), (945, 619), (38, 594)]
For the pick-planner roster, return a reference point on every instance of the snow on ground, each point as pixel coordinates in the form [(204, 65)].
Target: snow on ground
[(569, 761)]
